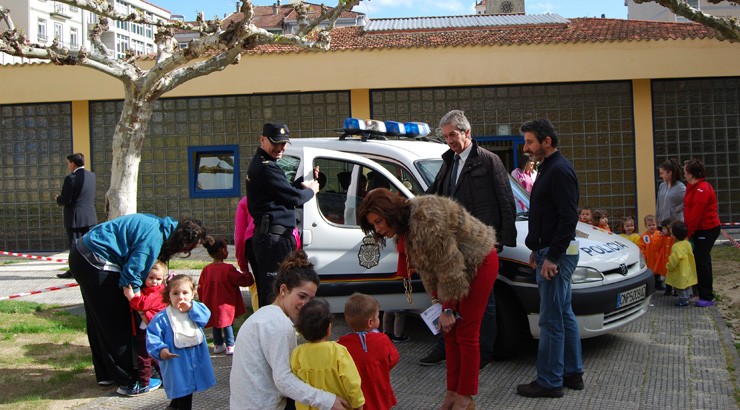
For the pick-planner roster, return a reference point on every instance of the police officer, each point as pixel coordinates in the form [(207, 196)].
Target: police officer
[(272, 202)]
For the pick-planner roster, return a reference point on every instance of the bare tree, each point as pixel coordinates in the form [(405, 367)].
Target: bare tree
[(728, 28), (216, 48)]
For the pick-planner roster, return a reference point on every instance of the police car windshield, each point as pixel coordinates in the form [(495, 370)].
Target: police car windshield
[(428, 169), (521, 199)]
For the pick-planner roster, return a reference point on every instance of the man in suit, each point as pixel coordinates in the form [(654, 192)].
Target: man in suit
[(78, 200), (477, 179)]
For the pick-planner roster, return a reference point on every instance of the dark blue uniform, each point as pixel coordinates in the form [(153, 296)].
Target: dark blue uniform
[(272, 202)]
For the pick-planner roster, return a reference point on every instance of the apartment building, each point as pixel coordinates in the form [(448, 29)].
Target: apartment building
[(44, 20)]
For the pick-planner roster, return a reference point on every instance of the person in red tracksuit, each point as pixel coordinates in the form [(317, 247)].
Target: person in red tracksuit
[(702, 221)]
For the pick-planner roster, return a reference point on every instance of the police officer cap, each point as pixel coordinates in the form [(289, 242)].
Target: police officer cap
[(277, 133)]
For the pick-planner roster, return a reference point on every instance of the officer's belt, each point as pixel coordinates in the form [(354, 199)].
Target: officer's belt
[(273, 229), (279, 230)]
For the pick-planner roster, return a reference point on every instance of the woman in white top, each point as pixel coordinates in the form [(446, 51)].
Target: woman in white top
[(671, 192), (261, 378)]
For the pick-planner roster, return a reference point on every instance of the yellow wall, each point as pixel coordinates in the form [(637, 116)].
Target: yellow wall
[(362, 70), (644, 149), (360, 100), (81, 130), (433, 67)]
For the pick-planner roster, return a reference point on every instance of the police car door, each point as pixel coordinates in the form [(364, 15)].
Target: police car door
[(332, 237)]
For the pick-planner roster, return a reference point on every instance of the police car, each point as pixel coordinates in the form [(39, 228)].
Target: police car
[(611, 286)]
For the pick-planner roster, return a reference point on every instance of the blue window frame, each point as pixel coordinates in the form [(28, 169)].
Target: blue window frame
[(213, 171)]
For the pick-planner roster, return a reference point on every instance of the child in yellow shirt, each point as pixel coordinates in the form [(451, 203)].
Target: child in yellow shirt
[(628, 230), (321, 363), (681, 265)]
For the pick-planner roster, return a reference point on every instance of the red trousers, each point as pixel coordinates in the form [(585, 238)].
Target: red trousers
[(462, 342)]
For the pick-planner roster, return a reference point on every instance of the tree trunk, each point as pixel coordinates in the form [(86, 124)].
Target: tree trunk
[(128, 140)]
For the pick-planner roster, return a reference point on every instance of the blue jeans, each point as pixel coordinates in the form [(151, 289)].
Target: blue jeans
[(219, 336), (559, 350)]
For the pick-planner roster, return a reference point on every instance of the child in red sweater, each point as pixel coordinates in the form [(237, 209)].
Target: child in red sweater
[(218, 289), (146, 303), (373, 352)]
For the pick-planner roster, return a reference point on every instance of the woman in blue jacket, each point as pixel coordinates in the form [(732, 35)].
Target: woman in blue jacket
[(114, 255)]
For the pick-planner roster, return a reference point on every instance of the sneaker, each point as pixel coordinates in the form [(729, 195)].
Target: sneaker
[(704, 303), (138, 388), (122, 390), (682, 303), (573, 381), (105, 382), (229, 350), (535, 390), (218, 349), (398, 339), (432, 358)]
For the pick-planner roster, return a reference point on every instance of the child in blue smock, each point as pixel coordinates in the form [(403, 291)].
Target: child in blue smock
[(175, 336)]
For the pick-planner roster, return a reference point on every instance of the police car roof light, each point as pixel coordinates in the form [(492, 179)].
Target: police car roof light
[(375, 126), (374, 129), (355, 124), (395, 128), (419, 129)]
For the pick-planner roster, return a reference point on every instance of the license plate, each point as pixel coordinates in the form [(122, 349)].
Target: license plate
[(631, 296)]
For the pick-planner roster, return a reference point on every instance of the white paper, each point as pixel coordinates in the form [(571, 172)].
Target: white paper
[(431, 317)]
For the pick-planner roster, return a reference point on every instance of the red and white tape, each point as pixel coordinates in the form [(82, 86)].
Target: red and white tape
[(731, 224), (41, 258), (730, 239), (36, 292)]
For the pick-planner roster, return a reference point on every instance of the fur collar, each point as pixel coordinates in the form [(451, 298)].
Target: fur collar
[(446, 245)]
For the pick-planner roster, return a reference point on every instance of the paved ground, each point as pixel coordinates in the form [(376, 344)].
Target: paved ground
[(675, 358)]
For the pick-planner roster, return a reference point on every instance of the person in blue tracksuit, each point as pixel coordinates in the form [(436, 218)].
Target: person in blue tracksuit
[(114, 255)]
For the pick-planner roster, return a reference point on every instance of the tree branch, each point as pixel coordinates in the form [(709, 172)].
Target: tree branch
[(5, 16), (727, 28), (105, 9)]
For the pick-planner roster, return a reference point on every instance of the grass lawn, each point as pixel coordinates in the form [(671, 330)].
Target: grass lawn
[(44, 357)]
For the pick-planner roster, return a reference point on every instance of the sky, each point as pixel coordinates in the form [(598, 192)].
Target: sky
[(411, 8)]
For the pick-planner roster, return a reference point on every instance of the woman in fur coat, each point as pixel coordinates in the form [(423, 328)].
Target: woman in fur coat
[(454, 254)]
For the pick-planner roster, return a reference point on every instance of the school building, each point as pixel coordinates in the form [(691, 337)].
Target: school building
[(624, 95)]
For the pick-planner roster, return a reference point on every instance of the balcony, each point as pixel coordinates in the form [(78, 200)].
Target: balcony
[(61, 11)]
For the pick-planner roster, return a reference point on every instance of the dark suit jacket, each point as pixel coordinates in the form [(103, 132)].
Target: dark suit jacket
[(483, 189), (78, 199)]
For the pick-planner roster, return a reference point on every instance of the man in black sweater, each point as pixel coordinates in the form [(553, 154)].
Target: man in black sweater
[(553, 215)]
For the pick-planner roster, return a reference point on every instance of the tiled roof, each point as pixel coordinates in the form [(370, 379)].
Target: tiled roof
[(577, 30), (479, 20)]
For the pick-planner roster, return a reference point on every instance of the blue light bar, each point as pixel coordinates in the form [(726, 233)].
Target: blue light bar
[(420, 129), (376, 126), (395, 128), (354, 124)]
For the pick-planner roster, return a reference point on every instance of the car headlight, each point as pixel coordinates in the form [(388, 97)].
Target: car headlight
[(642, 262), (586, 275)]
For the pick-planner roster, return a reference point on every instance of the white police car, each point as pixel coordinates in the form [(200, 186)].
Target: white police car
[(611, 286)]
